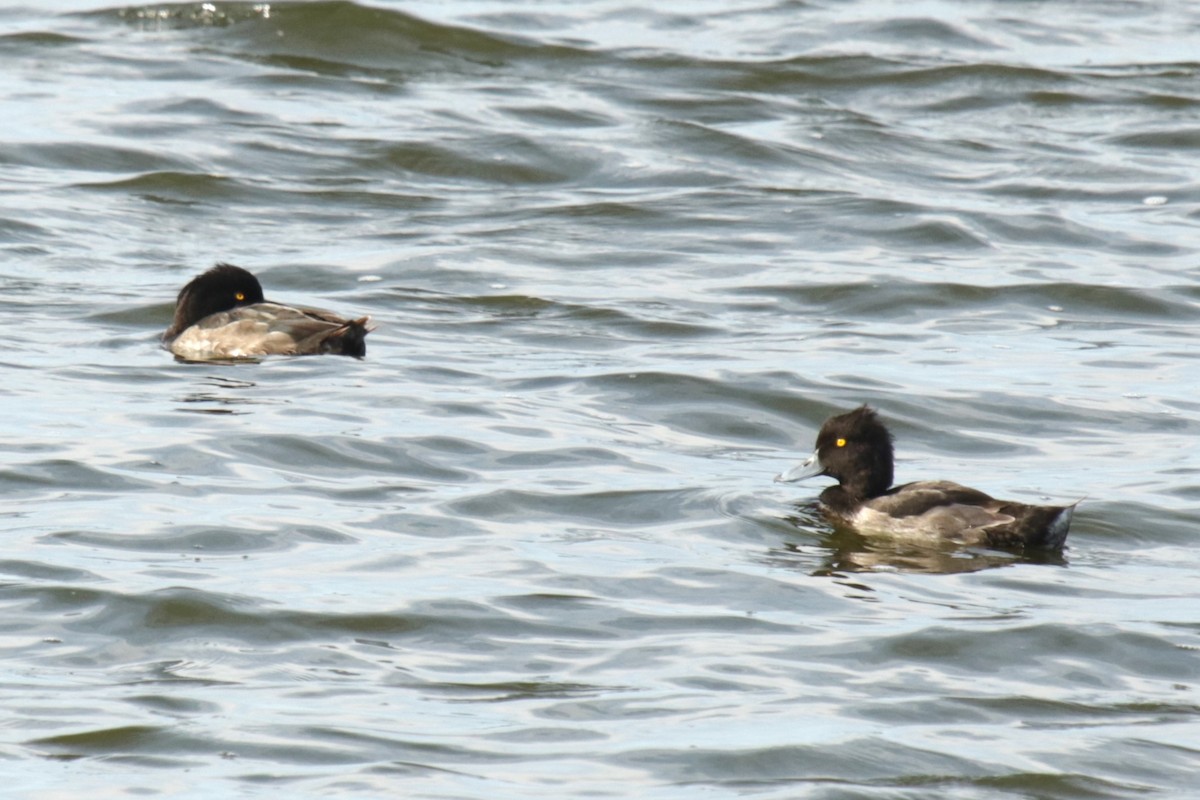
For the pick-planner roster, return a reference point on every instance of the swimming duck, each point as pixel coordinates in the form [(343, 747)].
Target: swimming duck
[(221, 314), (856, 449)]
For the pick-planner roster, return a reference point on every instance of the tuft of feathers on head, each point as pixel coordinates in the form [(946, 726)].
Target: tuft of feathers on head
[(856, 448), (221, 288)]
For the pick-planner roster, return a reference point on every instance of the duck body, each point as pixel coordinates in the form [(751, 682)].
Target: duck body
[(221, 314), (856, 449)]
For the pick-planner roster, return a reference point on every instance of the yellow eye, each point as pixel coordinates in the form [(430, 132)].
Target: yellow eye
[(841, 442), (239, 297)]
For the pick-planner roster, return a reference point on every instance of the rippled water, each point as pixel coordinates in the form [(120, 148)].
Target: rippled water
[(623, 262)]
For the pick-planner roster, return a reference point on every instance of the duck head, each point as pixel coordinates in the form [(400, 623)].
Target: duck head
[(854, 448)]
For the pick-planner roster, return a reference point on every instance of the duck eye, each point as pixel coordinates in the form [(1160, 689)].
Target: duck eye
[(239, 297), (841, 442)]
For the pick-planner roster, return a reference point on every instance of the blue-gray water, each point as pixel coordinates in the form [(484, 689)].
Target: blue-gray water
[(623, 262)]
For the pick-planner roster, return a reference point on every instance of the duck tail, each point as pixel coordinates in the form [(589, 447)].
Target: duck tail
[(1058, 528), (349, 339), (1051, 526)]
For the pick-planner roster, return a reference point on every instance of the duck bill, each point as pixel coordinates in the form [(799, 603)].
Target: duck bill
[(809, 469)]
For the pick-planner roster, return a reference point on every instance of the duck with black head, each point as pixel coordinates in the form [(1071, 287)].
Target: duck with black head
[(855, 448), (221, 314)]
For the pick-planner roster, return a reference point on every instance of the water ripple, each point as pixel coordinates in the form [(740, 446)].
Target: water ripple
[(623, 262)]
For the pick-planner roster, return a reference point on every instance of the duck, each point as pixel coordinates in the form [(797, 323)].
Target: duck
[(855, 449), (221, 315)]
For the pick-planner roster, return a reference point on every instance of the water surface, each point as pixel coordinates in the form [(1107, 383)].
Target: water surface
[(623, 262)]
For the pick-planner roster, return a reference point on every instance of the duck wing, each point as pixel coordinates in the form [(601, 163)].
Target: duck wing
[(931, 509), (949, 510), (345, 337), (265, 329), (921, 497)]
